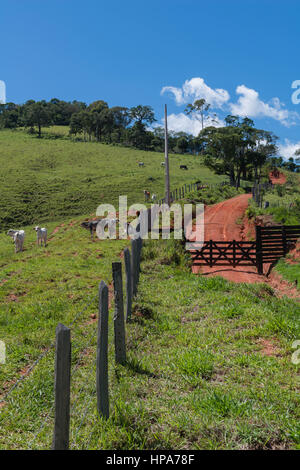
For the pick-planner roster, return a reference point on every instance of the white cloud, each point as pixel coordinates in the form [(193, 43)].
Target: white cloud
[(288, 149), (249, 104), (195, 89), (191, 125), (2, 93)]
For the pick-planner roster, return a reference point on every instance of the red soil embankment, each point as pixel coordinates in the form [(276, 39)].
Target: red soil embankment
[(277, 177)]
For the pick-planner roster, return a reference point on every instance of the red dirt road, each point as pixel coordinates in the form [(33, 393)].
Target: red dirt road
[(221, 220), (221, 224)]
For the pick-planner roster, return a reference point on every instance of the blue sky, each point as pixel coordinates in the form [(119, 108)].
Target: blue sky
[(127, 52)]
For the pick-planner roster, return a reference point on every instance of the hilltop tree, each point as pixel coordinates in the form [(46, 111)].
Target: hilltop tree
[(236, 148), (142, 114), (37, 114), (199, 107), (121, 118)]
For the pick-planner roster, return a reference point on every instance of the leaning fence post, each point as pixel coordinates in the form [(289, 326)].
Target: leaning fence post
[(127, 260), (119, 326), (134, 266), (102, 353), (62, 388)]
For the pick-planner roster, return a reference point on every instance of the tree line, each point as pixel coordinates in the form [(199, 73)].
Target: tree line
[(96, 122), (237, 149)]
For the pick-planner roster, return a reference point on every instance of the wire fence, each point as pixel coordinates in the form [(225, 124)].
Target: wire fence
[(181, 192), (45, 353), (40, 418)]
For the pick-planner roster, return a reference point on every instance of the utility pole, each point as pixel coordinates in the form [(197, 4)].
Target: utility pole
[(167, 174)]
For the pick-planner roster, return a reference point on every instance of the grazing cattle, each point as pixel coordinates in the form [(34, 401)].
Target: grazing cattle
[(147, 195), (183, 167), (18, 237), (41, 235), (153, 197), (163, 163), (91, 225), (141, 164)]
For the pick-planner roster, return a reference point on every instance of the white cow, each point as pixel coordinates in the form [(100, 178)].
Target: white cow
[(163, 163), (153, 197), (41, 235), (18, 237)]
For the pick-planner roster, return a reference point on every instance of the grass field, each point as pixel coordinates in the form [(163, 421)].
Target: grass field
[(56, 178), (284, 202), (289, 271), (209, 362)]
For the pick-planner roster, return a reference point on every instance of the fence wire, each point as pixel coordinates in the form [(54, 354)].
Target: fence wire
[(44, 354), (91, 337)]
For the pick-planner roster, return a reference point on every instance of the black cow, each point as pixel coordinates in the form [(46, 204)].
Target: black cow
[(183, 167), (91, 225)]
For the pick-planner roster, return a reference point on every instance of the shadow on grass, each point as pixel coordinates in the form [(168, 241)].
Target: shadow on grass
[(135, 366)]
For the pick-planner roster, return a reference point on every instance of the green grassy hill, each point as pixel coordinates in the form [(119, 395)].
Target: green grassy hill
[(54, 178), (208, 361)]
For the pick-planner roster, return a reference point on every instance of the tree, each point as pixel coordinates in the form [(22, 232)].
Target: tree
[(198, 107), (10, 115), (237, 148), (121, 118), (142, 114), (138, 135), (37, 114)]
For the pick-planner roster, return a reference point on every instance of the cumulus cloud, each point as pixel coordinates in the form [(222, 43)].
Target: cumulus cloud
[(196, 88), (288, 149), (2, 93), (249, 104), (191, 125)]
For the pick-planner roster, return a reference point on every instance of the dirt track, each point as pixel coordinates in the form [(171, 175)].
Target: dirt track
[(222, 222)]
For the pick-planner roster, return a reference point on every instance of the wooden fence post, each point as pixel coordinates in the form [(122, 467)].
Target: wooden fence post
[(119, 326), (102, 353), (127, 260), (259, 255), (284, 244), (139, 251), (134, 266), (234, 253), (211, 253), (62, 388)]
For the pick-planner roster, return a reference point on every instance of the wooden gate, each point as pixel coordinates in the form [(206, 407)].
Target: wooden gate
[(275, 242), (220, 253), (272, 243)]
